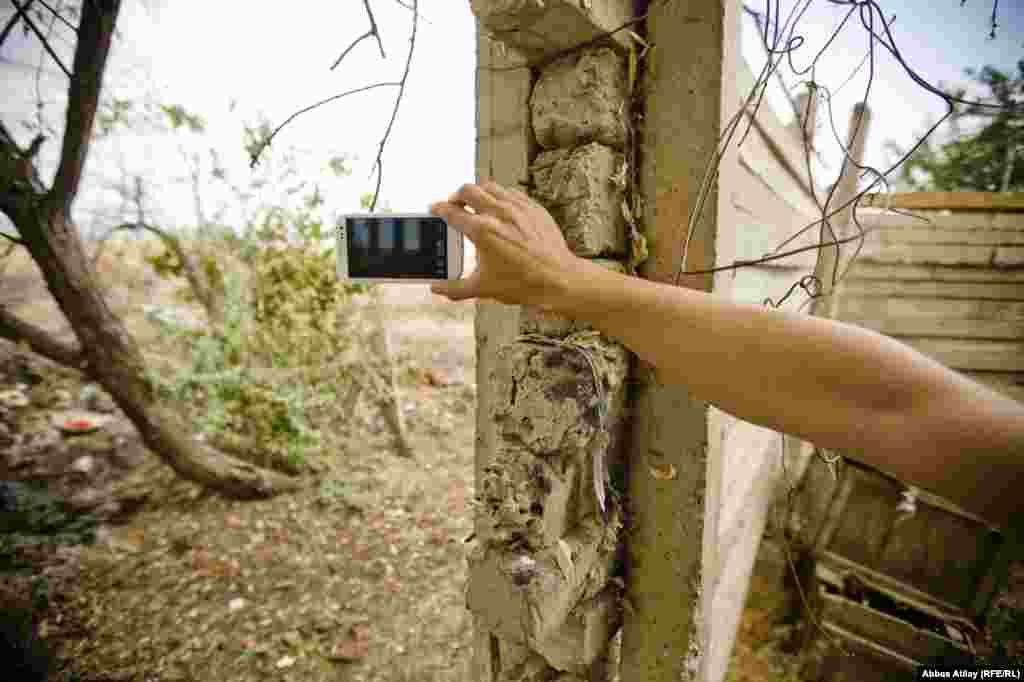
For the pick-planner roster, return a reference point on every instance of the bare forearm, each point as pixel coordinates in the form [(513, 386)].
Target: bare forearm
[(764, 366), (833, 384)]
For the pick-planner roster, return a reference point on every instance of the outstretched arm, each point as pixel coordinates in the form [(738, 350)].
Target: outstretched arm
[(833, 384), (836, 385)]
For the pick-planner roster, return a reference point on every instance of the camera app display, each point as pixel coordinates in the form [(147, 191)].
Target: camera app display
[(397, 248)]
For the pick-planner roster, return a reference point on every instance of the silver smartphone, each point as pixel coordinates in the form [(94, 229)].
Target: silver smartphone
[(397, 247)]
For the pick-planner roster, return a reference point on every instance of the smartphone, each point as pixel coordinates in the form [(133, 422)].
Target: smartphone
[(397, 247)]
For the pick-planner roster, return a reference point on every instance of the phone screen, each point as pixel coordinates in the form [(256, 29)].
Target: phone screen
[(397, 248)]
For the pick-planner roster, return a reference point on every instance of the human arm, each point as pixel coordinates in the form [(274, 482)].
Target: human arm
[(836, 385), (833, 384)]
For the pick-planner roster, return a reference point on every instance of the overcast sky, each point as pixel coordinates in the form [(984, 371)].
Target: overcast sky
[(272, 61)]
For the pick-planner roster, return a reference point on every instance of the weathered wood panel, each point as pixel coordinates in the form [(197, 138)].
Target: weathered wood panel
[(942, 220), (937, 273), (860, 310), (1003, 291), (889, 632), (763, 220), (941, 327), (964, 354), (931, 235), (784, 142), (757, 155), (941, 254), (1009, 384), (955, 201)]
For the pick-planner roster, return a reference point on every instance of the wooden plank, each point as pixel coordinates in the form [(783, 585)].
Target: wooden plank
[(936, 236), (761, 221), (784, 141), (994, 257), (926, 327), (936, 273), (1002, 201), (938, 553), (884, 630), (964, 354), (758, 155), (1007, 291), (1010, 384), (942, 220), (857, 310)]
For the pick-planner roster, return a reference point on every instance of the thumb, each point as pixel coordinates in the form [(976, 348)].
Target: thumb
[(455, 290)]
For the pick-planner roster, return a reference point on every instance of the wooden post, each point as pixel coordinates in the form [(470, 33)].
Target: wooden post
[(829, 262)]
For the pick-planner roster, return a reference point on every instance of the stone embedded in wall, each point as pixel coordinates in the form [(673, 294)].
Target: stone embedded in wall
[(576, 187), (547, 399), (533, 320), (581, 98), (541, 28), (541, 480), (561, 607)]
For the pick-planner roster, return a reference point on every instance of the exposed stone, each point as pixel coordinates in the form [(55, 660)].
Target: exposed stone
[(84, 464), (576, 187), (540, 28), (535, 601), (549, 402), (580, 98)]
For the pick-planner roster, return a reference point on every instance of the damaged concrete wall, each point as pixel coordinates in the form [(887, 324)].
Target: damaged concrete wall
[(568, 420), (544, 568)]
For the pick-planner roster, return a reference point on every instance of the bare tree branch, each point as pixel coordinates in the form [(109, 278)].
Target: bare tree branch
[(422, 18), (266, 143), (57, 14), (19, 181), (39, 340), (398, 100), (12, 22), (35, 29), (372, 32), (94, 34)]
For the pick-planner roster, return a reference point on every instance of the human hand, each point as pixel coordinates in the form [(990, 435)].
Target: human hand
[(522, 257)]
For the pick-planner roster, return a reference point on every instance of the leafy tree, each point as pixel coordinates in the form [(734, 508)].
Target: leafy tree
[(988, 160)]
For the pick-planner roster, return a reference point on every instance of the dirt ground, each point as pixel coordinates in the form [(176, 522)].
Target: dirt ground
[(135, 575), (359, 577)]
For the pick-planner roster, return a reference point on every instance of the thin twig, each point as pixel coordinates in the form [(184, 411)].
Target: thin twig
[(422, 18), (266, 143), (12, 22), (46, 45), (372, 32), (398, 100), (56, 13), (12, 238)]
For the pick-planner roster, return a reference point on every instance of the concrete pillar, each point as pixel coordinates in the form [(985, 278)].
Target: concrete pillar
[(690, 93)]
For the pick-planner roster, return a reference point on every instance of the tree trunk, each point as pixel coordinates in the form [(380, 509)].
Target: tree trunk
[(107, 353)]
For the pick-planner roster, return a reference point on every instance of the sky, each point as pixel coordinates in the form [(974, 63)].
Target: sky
[(232, 63)]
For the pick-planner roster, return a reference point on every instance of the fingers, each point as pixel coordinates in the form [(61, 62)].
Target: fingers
[(476, 197), (455, 215)]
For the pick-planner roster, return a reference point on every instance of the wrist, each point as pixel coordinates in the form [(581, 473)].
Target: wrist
[(581, 282)]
